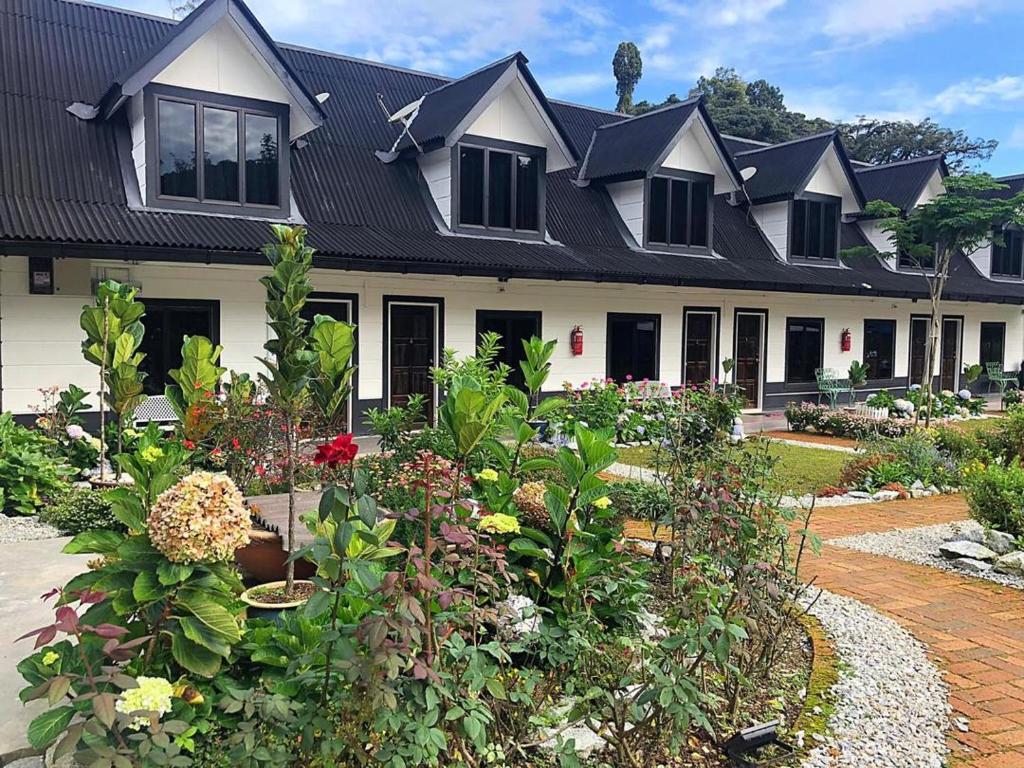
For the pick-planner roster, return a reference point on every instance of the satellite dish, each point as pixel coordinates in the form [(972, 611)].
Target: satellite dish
[(747, 173), (322, 97)]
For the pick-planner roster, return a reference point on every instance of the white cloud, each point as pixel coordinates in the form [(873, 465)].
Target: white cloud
[(1016, 138), (721, 13), (872, 21), (568, 85), (1006, 90)]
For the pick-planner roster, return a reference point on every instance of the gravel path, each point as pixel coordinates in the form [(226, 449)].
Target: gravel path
[(891, 706), (819, 446), (921, 546), (24, 529)]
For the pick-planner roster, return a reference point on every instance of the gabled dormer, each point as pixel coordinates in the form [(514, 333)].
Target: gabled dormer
[(799, 193), (662, 171), (209, 116), (905, 184), (485, 144), (1002, 258)]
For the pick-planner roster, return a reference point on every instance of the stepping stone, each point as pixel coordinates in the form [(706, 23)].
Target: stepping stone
[(1012, 564), (971, 565), (954, 550)]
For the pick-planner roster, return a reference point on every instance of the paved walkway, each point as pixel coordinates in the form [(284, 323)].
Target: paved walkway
[(974, 629)]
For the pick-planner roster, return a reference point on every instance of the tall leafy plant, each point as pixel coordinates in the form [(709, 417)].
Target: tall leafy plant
[(333, 342), (113, 333), (195, 383), (290, 363)]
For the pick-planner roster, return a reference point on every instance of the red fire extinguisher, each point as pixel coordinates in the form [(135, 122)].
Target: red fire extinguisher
[(845, 340), (576, 341)]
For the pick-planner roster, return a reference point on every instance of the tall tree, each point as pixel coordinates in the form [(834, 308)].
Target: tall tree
[(628, 69), (959, 221), (886, 141)]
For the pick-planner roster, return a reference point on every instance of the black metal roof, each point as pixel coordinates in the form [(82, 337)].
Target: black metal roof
[(61, 190), (784, 169), (900, 183)]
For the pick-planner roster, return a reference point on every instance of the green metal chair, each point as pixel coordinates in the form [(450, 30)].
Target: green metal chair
[(831, 385), (997, 376)]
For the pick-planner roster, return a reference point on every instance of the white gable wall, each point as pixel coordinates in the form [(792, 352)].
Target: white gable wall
[(773, 219), (436, 168), (932, 189), (136, 119), (830, 179), (695, 151), (224, 61), (628, 197), (513, 115)]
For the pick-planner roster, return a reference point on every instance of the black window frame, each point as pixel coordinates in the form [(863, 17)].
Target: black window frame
[(1001, 327), (811, 199), (690, 177), (154, 306), (820, 321), (634, 317), (891, 324), (482, 315), (488, 145), (1013, 240), (242, 106)]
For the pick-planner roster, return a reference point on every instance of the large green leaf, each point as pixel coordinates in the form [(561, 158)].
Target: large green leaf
[(199, 373), (99, 542), (194, 657), (200, 633), (45, 728), (215, 616)]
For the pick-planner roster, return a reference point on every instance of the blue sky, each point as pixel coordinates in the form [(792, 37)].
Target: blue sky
[(957, 61)]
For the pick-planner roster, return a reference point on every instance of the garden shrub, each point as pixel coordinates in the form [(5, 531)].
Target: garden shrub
[(961, 446), (840, 423), (995, 495), (81, 510), (640, 500), (32, 472)]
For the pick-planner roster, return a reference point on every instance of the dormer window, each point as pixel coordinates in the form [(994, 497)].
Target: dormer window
[(814, 228), (921, 261), (500, 188), (218, 154), (679, 211), (1008, 258)]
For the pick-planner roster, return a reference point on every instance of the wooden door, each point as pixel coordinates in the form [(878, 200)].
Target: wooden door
[(412, 352), (949, 373), (749, 353), (698, 348), (918, 345)]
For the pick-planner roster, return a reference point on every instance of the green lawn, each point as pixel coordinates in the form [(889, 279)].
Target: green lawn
[(800, 470)]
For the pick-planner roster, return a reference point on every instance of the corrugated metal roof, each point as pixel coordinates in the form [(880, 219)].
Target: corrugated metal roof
[(900, 183), (60, 181)]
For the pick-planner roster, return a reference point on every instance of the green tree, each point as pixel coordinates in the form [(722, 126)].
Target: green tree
[(628, 69), (960, 220), (887, 141)]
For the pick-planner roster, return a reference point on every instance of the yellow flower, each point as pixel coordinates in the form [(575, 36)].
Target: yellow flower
[(94, 443), (499, 523), (487, 475), (151, 453), (152, 695), (603, 503), (50, 657)]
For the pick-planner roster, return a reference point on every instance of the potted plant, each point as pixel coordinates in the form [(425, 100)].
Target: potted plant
[(858, 377)]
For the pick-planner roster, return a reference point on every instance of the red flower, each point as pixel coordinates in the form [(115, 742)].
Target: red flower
[(261, 471), (341, 450), (188, 444), (235, 444)]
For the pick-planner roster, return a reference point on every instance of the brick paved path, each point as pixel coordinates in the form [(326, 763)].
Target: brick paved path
[(974, 629)]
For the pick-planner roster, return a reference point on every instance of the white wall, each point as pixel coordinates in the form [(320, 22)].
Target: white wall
[(829, 178), (696, 152), (436, 168), (982, 259), (223, 61), (137, 121), (40, 334), (628, 197), (773, 219)]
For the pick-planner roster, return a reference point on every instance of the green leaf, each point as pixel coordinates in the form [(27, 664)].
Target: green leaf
[(147, 587), (496, 689), (194, 657), (218, 618), (173, 573), (201, 634), (45, 728), (101, 542)]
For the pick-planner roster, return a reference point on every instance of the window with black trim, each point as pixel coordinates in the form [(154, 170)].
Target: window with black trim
[(679, 211), (1008, 257), (633, 340), (514, 327), (922, 260), (501, 188), (213, 152), (880, 348), (805, 338), (993, 343), (168, 322), (814, 229)]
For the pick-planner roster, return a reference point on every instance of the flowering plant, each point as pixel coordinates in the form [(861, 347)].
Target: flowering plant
[(201, 519), (341, 450), (498, 523)]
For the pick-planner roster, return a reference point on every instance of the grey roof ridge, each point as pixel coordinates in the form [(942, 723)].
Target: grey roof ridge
[(126, 11), (821, 135), (1011, 177), (868, 167), (734, 137), (630, 118), (577, 105)]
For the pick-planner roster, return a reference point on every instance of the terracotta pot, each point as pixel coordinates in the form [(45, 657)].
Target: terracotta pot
[(264, 558)]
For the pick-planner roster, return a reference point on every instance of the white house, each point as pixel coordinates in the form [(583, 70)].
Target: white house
[(158, 153)]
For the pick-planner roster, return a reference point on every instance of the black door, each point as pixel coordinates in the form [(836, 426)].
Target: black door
[(514, 328), (749, 338), (413, 346), (632, 346), (918, 345), (167, 323), (699, 348), (949, 373)]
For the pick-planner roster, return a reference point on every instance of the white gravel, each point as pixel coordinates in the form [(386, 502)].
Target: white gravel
[(14, 529), (891, 706), (921, 546)]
